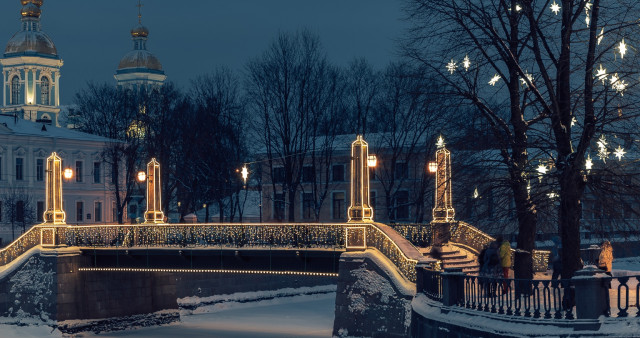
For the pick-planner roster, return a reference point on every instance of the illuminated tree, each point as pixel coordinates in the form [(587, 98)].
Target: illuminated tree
[(545, 75)]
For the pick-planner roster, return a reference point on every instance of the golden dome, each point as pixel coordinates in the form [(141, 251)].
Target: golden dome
[(35, 2), (31, 10), (139, 31)]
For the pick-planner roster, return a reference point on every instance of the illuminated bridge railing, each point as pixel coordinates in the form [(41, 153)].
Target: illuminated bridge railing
[(317, 235), (24, 243), (276, 236)]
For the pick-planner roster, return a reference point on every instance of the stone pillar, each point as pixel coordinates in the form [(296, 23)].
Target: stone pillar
[(54, 213), (591, 293), (154, 212), (452, 286), (360, 209)]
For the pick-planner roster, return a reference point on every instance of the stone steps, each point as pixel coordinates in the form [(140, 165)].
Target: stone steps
[(454, 257)]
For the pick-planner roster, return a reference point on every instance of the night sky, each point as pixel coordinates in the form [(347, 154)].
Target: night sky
[(194, 37)]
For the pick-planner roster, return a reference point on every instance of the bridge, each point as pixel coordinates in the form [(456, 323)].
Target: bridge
[(60, 272)]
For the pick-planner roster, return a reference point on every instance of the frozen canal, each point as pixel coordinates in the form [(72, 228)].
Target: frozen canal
[(301, 316)]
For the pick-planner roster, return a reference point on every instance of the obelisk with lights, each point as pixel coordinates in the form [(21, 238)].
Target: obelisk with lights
[(360, 210), (443, 212), (154, 212), (54, 213)]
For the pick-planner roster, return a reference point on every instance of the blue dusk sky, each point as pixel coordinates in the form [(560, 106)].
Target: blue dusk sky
[(194, 37)]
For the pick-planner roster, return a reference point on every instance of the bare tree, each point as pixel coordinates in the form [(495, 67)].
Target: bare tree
[(19, 208), (283, 87), (115, 113)]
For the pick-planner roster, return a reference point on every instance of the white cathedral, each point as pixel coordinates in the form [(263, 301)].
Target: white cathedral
[(30, 128)]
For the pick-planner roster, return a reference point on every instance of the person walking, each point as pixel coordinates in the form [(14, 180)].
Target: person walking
[(605, 260), (505, 260), (556, 258)]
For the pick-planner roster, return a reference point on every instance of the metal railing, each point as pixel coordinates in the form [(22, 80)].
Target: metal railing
[(623, 296), (520, 297), (432, 284)]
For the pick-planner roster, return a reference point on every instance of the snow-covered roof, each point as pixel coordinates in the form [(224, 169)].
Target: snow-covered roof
[(10, 125)]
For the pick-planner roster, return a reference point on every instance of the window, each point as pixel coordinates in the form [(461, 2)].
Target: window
[(372, 199), (78, 171), (40, 211), (307, 174), (0, 168), (307, 206), (39, 170), (20, 211), (402, 205), (15, 90), (97, 211), (96, 172), (278, 206), (19, 169), (338, 205), (338, 173), (44, 90), (402, 170), (79, 211), (278, 175)]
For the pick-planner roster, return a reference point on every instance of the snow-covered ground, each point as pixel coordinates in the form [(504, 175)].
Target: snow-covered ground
[(298, 316)]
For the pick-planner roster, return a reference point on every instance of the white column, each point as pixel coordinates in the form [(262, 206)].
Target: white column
[(4, 89), (57, 75)]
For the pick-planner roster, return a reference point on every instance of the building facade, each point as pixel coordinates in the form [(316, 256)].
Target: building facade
[(31, 70), (401, 191)]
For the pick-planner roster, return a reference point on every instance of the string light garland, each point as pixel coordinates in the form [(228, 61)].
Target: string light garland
[(262, 272)]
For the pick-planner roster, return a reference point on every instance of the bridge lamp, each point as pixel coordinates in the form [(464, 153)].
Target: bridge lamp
[(142, 176), (372, 161), (68, 173), (432, 167)]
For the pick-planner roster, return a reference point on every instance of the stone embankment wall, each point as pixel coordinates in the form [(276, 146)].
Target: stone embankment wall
[(372, 299), (49, 286)]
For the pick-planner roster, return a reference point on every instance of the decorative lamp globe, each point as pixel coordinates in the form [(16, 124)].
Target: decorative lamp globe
[(433, 167), (372, 161), (142, 176), (68, 173)]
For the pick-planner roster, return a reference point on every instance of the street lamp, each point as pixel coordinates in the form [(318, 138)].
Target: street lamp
[(245, 174), (432, 167), (68, 173), (372, 161), (142, 176)]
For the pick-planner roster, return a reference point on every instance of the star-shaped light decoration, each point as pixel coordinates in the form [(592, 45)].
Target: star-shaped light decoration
[(574, 120), (466, 62), (518, 8), (601, 74), (601, 35), (587, 10), (555, 8), (614, 79), (622, 48), (542, 169), (603, 153), (619, 153), (451, 66), (524, 81), (494, 80), (440, 142), (475, 193), (588, 164), (620, 86)]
